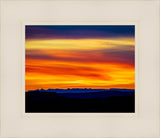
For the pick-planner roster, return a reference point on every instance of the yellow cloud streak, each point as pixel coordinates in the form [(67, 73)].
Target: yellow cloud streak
[(73, 44)]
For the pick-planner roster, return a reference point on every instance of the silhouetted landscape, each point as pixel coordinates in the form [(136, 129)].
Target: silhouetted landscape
[(80, 101)]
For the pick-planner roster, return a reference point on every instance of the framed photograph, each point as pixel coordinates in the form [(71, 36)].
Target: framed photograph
[(80, 68)]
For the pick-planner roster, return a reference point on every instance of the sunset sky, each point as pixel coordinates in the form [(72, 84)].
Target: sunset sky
[(79, 56)]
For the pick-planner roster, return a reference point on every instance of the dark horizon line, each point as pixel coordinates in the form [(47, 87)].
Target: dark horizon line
[(81, 89)]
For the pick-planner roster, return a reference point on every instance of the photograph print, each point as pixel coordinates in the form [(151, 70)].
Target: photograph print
[(79, 68)]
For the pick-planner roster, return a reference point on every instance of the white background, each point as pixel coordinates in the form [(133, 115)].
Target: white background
[(145, 14)]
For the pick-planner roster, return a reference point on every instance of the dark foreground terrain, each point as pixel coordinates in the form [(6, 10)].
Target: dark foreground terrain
[(52, 102)]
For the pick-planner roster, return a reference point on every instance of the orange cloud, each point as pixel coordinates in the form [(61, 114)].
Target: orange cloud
[(99, 66)]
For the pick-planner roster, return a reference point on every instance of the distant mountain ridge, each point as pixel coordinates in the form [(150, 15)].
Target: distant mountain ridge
[(84, 90), (80, 100)]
